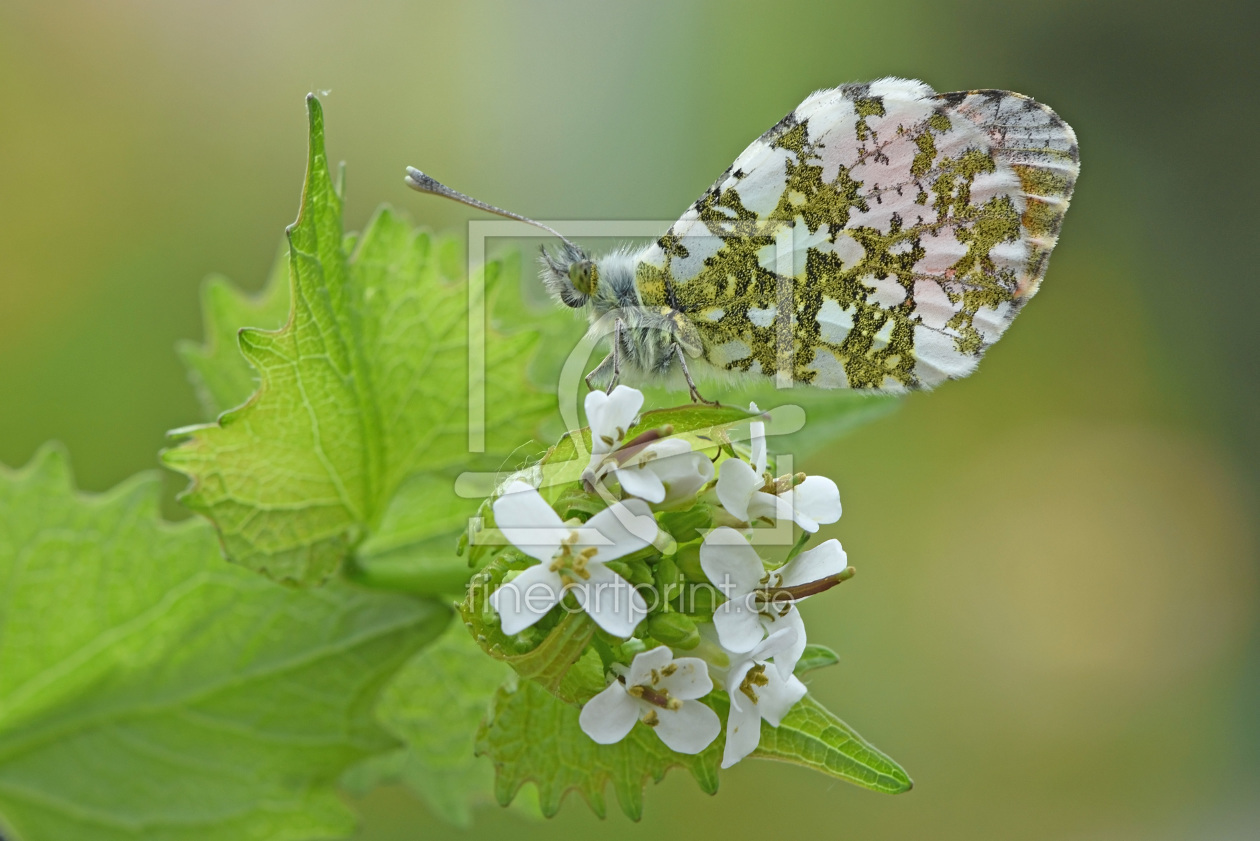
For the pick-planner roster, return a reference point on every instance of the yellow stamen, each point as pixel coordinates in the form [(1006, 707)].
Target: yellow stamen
[(572, 567), (756, 677)]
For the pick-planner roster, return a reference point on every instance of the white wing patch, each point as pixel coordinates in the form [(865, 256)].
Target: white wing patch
[(834, 323), (762, 317), (919, 225)]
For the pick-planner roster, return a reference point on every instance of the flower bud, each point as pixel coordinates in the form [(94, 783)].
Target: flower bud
[(668, 580), (697, 600), (688, 560), (687, 525), (637, 572), (675, 630)]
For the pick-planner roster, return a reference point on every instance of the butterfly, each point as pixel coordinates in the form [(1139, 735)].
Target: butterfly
[(879, 237)]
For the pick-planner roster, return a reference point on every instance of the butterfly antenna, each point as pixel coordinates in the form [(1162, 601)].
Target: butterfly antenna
[(417, 180)]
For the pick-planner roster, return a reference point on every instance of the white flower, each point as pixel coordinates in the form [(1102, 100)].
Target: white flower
[(664, 471), (572, 558), (611, 416), (758, 693), (761, 602), (659, 470), (748, 494), (661, 692)]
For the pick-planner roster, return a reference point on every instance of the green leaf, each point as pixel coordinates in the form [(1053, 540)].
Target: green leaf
[(812, 736), (531, 736), (822, 417), (150, 691), (434, 705), (216, 368), (815, 657), (365, 387), (802, 420)]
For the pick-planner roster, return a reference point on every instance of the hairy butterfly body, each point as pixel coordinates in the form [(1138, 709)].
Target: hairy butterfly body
[(880, 237)]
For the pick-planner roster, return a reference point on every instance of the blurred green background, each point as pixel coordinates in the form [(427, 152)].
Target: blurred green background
[(1055, 623)]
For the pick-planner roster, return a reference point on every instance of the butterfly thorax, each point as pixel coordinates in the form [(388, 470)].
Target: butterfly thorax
[(648, 332)]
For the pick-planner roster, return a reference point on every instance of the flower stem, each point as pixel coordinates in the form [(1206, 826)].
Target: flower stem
[(800, 591)]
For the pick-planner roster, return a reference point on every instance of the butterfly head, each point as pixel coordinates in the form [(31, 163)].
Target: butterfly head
[(569, 275)]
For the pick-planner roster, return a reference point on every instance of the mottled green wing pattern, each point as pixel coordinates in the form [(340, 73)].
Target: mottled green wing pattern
[(880, 236)]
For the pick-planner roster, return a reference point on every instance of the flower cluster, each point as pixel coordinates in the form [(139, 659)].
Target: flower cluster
[(672, 572)]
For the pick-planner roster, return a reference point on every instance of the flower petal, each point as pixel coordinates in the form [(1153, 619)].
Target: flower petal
[(683, 473), (738, 624), (681, 470), (611, 601), (528, 522), (609, 716), (736, 484), (802, 520), (640, 671), (734, 677), (686, 476), (641, 481), (771, 507), (786, 658), (777, 697), (690, 729), (527, 598), (758, 431), (781, 640), (689, 680), (743, 731), (823, 561), (663, 448), (817, 498), (611, 415), (618, 530), (731, 564)]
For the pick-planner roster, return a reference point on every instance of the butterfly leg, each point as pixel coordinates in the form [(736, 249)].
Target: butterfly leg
[(611, 362), (691, 384)]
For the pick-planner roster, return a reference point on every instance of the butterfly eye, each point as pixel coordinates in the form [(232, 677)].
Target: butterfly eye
[(584, 276)]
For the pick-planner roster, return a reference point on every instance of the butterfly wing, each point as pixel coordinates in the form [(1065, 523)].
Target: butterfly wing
[(881, 236)]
